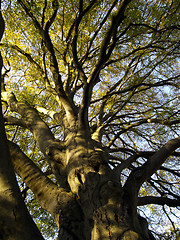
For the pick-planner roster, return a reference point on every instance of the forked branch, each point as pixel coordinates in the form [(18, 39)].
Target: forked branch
[(67, 104), (104, 55), (143, 173)]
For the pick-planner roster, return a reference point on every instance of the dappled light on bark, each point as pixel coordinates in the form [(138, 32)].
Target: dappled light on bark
[(90, 108)]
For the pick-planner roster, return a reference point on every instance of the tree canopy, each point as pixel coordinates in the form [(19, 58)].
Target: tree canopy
[(90, 93)]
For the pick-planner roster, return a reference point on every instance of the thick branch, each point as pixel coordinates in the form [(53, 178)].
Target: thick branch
[(35, 124), (98, 30), (51, 197), (30, 14), (50, 113), (103, 57), (164, 122), (9, 120), (67, 104), (32, 175), (52, 150), (159, 201), (74, 42), (141, 174), (116, 20), (2, 27), (111, 33), (125, 164), (155, 162), (50, 21)]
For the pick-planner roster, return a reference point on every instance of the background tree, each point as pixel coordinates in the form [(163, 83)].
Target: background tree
[(91, 114)]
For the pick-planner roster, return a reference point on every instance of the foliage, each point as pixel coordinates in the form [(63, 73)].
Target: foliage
[(133, 107)]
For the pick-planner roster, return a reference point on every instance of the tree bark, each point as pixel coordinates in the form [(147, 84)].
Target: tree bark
[(106, 205), (99, 208), (88, 201)]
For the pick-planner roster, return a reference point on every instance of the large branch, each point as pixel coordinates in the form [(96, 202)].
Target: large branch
[(164, 122), (101, 24), (155, 162), (35, 124), (82, 13), (50, 21), (83, 123), (51, 197), (52, 114), (52, 150), (32, 175), (159, 201), (110, 34), (104, 55), (66, 102), (10, 120), (2, 27), (143, 173)]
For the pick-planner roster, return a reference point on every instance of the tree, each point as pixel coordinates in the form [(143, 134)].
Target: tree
[(89, 93)]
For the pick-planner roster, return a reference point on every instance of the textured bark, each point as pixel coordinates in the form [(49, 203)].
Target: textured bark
[(52, 198), (105, 204), (110, 210), (96, 205), (88, 200), (99, 207), (52, 149)]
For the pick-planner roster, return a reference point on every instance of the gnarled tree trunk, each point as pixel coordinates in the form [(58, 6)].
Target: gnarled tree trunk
[(108, 210), (96, 206), (88, 202)]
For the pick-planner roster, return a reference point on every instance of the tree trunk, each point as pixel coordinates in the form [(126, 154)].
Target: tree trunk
[(97, 207), (88, 200), (105, 213), (107, 208)]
